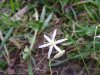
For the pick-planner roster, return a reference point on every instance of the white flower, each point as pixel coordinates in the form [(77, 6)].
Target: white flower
[(52, 43)]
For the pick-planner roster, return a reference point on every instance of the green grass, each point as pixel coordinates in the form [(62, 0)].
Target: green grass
[(79, 22)]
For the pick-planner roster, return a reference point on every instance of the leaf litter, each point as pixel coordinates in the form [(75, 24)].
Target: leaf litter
[(40, 66)]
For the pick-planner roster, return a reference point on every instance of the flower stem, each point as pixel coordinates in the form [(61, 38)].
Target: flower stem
[(50, 65), (94, 38)]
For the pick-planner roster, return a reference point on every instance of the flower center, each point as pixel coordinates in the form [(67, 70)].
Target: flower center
[(52, 43)]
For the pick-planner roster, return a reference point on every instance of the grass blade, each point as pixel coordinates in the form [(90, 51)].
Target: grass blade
[(47, 20), (6, 37), (30, 72), (89, 13), (12, 5), (42, 17)]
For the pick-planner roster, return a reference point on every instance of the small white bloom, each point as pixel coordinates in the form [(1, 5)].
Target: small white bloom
[(52, 43), (59, 54)]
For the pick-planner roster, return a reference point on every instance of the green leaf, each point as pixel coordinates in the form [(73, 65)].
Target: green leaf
[(42, 17), (26, 54), (12, 5), (30, 72), (89, 13), (3, 65), (36, 25), (6, 37), (46, 22)]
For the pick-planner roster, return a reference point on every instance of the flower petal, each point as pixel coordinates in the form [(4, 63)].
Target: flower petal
[(47, 38), (61, 40), (54, 34), (49, 52), (57, 48), (45, 45), (59, 54)]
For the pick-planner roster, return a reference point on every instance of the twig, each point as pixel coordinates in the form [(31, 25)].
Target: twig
[(19, 14)]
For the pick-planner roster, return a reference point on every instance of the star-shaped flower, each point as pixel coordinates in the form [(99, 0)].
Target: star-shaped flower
[(52, 43)]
